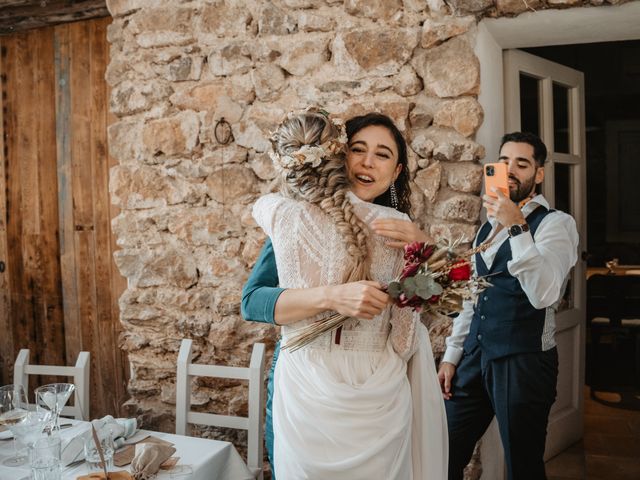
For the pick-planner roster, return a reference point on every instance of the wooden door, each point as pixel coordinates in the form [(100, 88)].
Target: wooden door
[(60, 287), (552, 95)]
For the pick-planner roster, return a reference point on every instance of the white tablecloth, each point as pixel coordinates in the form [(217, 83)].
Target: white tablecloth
[(209, 459)]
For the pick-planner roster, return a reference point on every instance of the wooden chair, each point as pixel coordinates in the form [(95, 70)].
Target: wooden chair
[(80, 374), (253, 423)]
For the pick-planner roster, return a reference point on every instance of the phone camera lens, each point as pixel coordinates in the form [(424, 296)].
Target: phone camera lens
[(489, 171)]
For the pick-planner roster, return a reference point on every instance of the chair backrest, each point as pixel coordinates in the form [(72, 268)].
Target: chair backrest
[(253, 423), (79, 373)]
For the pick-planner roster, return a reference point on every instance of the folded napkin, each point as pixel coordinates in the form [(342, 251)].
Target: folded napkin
[(148, 458), (119, 428)]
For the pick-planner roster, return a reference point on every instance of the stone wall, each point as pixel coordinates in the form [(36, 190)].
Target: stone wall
[(187, 240)]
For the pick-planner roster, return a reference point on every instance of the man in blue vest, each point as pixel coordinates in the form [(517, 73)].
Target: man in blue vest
[(501, 358)]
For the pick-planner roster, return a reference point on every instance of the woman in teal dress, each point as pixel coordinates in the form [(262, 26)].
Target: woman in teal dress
[(264, 301)]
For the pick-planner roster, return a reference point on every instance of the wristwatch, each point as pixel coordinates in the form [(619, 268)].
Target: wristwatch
[(515, 230)]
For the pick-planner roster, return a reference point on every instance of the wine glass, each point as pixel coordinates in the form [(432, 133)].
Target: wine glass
[(53, 397), (31, 428), (47, 403), (13, 410)]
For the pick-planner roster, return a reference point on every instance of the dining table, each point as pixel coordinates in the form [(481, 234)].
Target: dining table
[(198, 458)]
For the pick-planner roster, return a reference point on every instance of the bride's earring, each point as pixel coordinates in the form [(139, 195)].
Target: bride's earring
[(394, 195)]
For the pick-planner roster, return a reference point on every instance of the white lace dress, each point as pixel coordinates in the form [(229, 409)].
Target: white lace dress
[(350, 407)]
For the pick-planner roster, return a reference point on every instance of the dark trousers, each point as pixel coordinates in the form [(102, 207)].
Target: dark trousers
[(519, 390)]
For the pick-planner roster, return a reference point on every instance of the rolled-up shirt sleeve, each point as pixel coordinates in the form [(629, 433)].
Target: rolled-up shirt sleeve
[(542, 265)]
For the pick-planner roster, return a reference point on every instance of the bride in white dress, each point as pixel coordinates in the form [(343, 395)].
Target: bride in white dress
[(361, 402)]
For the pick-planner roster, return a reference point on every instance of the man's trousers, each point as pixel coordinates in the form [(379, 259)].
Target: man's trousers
[(519, 390)]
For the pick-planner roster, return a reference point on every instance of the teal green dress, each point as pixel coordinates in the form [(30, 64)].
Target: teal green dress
[(259, 297)]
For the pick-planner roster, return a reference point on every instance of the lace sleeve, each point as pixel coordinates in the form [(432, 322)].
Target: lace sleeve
[(264, 212), (403, 334)]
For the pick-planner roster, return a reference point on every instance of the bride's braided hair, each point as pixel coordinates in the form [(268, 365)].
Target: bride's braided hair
[(324, 185)]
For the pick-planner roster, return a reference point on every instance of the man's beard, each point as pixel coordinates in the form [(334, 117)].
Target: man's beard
[(523, 189)]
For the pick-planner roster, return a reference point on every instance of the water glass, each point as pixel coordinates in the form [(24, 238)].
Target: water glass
[(45, 459), (91, 454)]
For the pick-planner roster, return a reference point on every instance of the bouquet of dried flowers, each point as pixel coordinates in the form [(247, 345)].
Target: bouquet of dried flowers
[(434, 279)]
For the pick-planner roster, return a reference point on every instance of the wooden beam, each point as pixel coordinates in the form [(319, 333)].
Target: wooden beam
[(18, 15)]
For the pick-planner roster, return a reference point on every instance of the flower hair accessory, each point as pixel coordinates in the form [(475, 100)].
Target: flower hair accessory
[(310, 154)]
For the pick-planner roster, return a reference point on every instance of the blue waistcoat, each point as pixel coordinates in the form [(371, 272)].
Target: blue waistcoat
[(504, 321)]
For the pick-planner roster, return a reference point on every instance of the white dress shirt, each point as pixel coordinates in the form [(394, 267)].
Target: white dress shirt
[(542, 266)]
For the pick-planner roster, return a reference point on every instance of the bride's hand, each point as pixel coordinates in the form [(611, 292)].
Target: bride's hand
[(400, 232), (362, 299)]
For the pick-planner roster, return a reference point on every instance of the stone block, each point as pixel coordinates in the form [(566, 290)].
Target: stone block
[(231, 183), (158, 267), (131, 97), (435, 31), (268, 80), (421, 143), (357, 52), (462, 7), (375, 9), (465, 115), (233, 58), (453, 206), (515, 7), (428, 180), (407, 83), (302, 55), (172, 135), (449, 145), (464, 176), (224, 19), (121, 8), (263, 167), (124, 141), (275, 21), (200, 225), (148, 187), (414, 5), (449, 70), (313, 22)]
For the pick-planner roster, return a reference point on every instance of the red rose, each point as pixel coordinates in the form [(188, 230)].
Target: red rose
[(461, 272)]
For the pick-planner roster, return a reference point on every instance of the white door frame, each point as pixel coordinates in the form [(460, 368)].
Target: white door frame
[(535, 29)]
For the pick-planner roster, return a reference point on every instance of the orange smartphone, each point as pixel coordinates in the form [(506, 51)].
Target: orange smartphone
[(495, 175)]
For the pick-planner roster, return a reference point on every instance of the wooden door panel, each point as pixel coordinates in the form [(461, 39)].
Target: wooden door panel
[(36, 297), (55, 228)]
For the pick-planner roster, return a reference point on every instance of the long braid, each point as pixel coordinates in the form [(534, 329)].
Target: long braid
[(325, 186)]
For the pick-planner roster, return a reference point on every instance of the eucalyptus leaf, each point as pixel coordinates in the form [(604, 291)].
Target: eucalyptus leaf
[(409, 287), (428, 288), (394, 289)]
